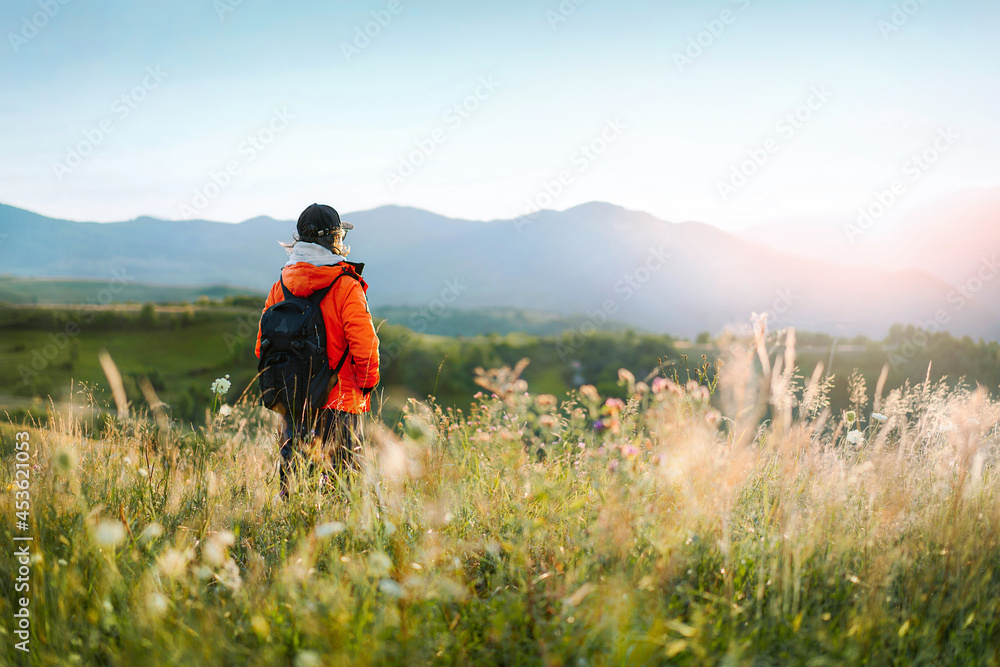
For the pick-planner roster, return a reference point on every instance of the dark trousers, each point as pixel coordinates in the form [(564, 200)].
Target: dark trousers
[(329, 440)]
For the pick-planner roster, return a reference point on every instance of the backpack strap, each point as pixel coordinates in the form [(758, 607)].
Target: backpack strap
[(317, 296), (288, 293), (340, 364), (320, 294)]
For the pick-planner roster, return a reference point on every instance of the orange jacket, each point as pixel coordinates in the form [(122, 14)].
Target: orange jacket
[(348, 325)]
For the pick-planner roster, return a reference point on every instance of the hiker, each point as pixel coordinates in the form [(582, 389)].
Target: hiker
[(317, 346)]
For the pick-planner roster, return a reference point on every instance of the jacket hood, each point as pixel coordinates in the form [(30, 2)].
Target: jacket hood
[(302, 279)]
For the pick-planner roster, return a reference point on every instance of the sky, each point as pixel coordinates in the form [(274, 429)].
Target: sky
[(732, 112)]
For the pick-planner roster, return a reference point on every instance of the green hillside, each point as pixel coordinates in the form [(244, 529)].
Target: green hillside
[(181, 349), (57, 291), (471, 322)]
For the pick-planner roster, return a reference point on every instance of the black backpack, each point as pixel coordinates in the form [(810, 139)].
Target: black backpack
[(294, 368)]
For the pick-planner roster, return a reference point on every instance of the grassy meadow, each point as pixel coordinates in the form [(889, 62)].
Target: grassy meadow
[(733, 518), (60, 291)]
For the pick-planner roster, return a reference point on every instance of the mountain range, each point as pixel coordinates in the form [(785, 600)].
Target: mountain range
[(597, 259)]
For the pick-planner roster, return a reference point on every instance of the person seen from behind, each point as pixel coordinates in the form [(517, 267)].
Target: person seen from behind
[(318, 348)]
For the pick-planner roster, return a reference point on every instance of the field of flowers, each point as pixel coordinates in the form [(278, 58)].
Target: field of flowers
[(729, 517)]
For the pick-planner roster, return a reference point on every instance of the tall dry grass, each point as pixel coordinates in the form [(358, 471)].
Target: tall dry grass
[(734, 519)]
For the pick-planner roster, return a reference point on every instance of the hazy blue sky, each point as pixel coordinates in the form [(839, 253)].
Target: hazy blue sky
[(330, 126)]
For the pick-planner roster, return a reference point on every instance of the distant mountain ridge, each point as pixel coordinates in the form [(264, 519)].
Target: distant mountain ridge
[(598, 260)]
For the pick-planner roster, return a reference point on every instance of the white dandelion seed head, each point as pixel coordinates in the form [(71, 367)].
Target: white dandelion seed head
[(151, 532), (221, 386), (214, 551), (156, 604), (174, 562), (329, 529), (109, 533), (379, 564), (229, 575)]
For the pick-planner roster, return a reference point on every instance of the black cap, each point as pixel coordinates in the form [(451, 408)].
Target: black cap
[(319, 220)]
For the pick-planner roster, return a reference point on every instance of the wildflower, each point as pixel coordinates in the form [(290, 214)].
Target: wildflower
[(379, 564), (547, 421), (214, 550), (626, 376), (156, 604), (109, 533), (546, 401), (659, 384), (391, 588), (630, 450), (697, 391), (330, 528), (851, 416), (151, 532), (855, 437), (589, 392), (642, 387), (615, 404), (229, 575), (879, 417), (225, 411), (221, 386), (173, 562)]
